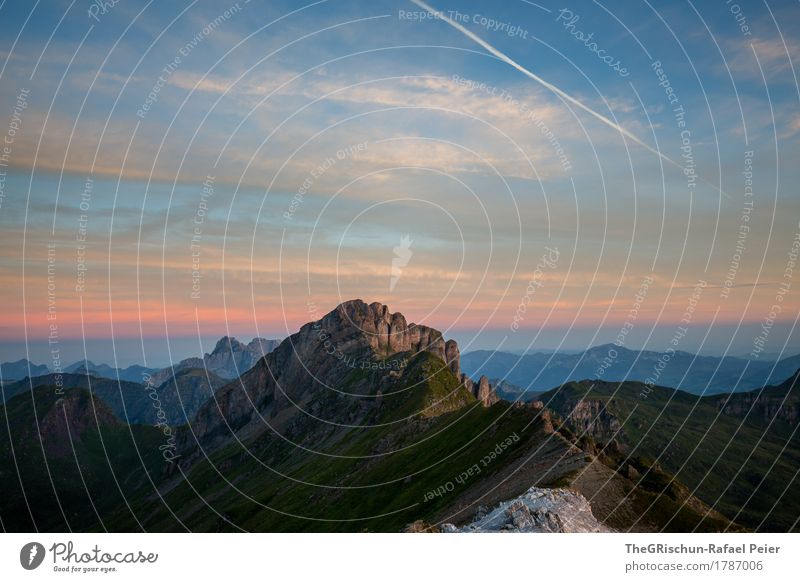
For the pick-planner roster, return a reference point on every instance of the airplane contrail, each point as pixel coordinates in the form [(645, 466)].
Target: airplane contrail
[(502, 56)]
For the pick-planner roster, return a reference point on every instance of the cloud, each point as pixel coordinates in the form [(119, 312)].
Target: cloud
[(564, 95), (792, 127), (476, 118), (196, 82), (773, 54)]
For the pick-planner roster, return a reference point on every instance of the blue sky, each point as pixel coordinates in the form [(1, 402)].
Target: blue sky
[(459, 150)]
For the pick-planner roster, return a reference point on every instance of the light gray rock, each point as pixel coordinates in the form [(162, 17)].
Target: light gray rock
[(536, 511)]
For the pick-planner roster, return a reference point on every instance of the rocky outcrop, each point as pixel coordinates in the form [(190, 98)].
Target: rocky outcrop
[(763, 407), (779, 403), (467, 382), (484, 392), (547, 419), (229, 359), (453, 357), (358, 324), (537, 511), (591, 417)]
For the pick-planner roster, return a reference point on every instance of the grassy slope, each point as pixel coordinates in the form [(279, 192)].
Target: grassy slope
[(95, 467), (382, 493), (368, 487), (687, 428)]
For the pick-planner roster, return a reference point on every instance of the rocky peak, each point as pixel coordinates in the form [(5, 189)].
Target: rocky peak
[(229, 359), (227, 343), (481, 390), (385, 333), (312, 368), (453, 357), (485, 392)]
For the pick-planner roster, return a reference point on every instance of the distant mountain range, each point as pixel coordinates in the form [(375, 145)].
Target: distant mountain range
[(537, 372), (229, 359), (362, 421), (134, 373), (178, 398), (515, 375), (136, 394), (11, 371)]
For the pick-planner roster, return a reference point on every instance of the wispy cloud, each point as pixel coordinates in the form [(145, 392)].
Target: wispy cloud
[(548, 85), (774, 54)]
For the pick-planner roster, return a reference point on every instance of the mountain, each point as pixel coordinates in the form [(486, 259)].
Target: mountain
[(11, 371), (697, 374), (229, 359), (182, 396), (134, 373), (331, 365), (109, 391), (362, 421), (71, 462), (172, 402), (738, 453)]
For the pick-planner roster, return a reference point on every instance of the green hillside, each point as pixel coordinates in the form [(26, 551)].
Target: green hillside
[(740, 468), (59, 477)]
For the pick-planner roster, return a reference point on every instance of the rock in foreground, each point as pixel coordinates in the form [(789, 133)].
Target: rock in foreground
[(537, 511)]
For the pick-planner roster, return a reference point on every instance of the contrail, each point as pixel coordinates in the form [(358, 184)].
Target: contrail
[(502, 56)]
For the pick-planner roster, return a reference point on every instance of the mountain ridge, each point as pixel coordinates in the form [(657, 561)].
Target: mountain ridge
[(538, 372), (362, 421), (22, 368)]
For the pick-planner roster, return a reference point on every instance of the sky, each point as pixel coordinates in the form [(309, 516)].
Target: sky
[(519, 175)]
